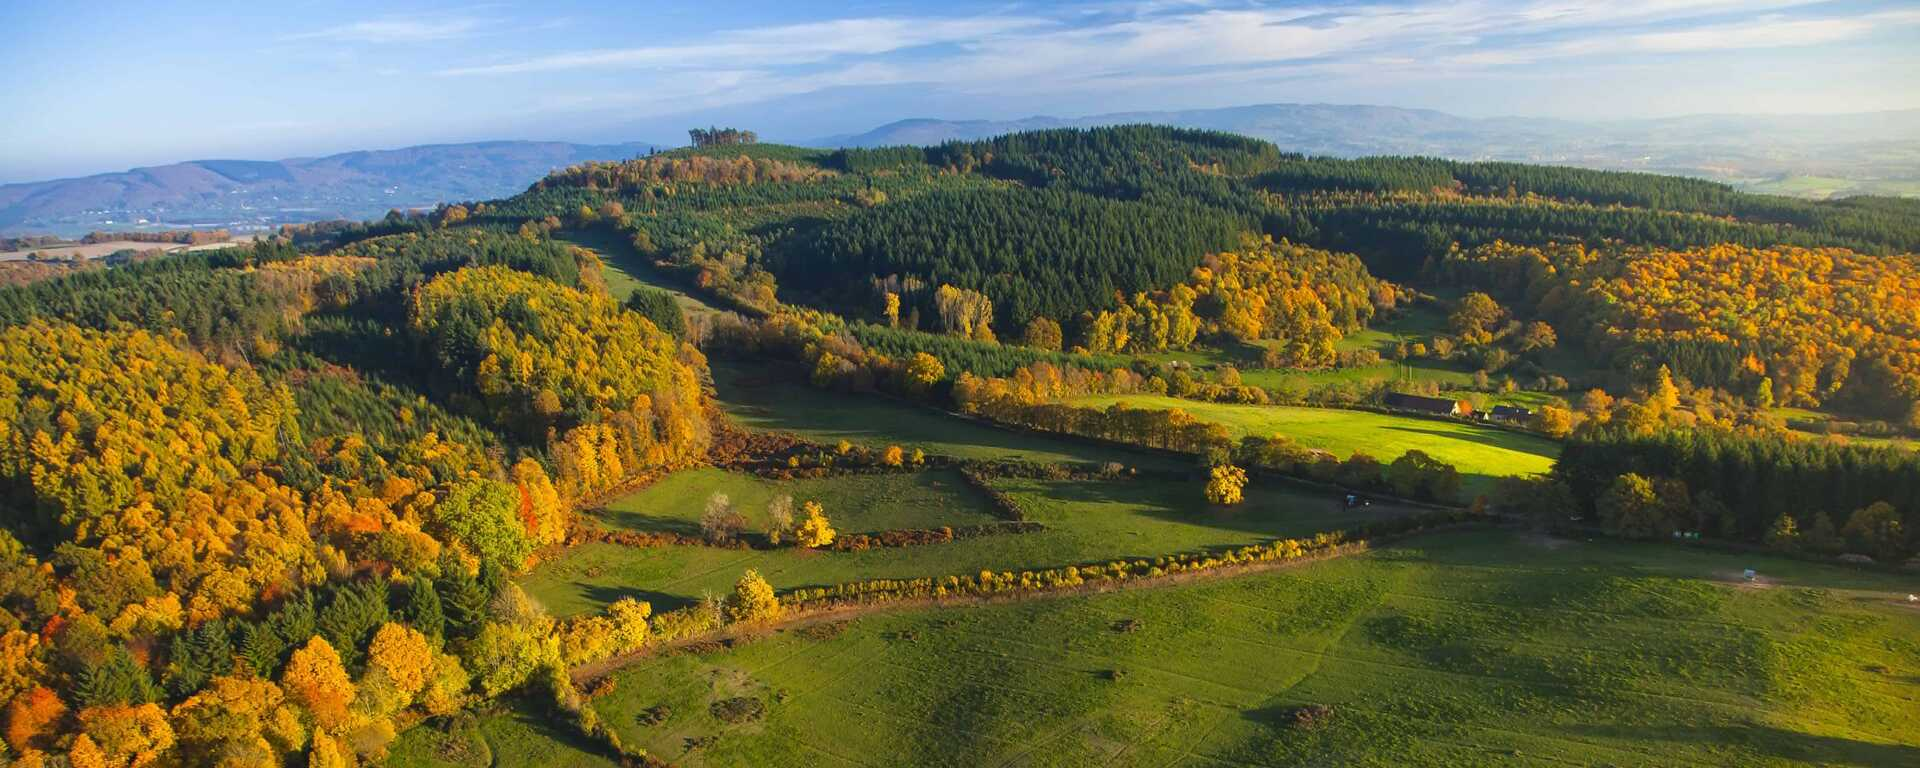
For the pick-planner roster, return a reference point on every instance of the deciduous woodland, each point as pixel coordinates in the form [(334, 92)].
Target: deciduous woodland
[(337, 496)]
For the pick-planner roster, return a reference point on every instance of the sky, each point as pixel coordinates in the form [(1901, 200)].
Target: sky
[(102, 85)]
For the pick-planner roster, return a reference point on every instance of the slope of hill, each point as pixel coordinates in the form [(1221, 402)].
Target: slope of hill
[(354, 185), (1866, 153)]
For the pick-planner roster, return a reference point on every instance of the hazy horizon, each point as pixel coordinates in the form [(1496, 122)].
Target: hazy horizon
[(184, 82)]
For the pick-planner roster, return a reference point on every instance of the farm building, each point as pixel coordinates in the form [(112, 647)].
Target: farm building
[(1509, 413), (1434, 405)]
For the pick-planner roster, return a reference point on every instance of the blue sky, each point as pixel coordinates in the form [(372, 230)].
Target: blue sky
[(101, 85)]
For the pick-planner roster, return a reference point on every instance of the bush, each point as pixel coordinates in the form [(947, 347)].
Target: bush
[(753, 601), (1225, 484)]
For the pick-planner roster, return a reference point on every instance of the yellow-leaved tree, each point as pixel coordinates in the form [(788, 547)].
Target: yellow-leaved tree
[(814, 530), (753, 601), (315, 679), (1225, 484)]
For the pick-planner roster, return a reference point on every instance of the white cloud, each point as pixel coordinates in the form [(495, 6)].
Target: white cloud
[(1773, 33), (395, 31), (1174, 44), (774, 46)]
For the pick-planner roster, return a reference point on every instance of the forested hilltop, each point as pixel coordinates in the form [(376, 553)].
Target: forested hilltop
[(277, 504)]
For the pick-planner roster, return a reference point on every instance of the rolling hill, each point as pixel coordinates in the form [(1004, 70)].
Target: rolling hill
[(1800, 155), (355, 185)]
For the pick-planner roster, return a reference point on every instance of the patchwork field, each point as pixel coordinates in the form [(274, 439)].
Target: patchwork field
[(1084, 520), (1469, 649), (1480, 453)]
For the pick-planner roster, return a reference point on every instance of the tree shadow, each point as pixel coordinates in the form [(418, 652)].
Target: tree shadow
[(1767, 740), (1266, 513), (606, 594), (1487, 437), (550, 728), (634, 520)]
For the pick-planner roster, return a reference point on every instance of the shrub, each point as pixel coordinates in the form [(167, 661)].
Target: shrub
[(737, 710), (814, 531), (753, 601), (1224, 485), (1784, 535), (1875, 530), (720, 522)]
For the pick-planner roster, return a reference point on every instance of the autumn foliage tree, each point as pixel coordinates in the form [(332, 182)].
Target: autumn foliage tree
[(1225, 485), (753, 601), (814, 530)]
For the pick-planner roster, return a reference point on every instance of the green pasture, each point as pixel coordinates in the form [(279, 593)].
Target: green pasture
[(767, 397), (1480, 453), (1462, 649), (855, 503), (1085, 521)]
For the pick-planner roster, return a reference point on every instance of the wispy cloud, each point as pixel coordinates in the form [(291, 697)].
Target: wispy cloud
[(773, 46), (1171, 44), (396, 30)]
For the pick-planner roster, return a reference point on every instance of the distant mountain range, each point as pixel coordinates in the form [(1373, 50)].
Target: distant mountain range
[(1805, 155), (1809, 155), (252, 193)]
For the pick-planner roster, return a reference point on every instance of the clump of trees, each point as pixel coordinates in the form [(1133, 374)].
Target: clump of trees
[(720, 137), (1752, 487), (1779, 325)]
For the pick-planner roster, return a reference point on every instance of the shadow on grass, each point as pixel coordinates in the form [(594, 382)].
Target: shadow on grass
[(603, 594), (549, 730), (635, 520), (1768, 741), (1265, 513), (1489, 437)]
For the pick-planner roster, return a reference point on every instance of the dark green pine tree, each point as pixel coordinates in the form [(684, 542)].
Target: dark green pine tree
[(422, 609), (117, 680), (261, 648), (294, 622), (198, 655), (462, 600), (352, 616), (493, 578)]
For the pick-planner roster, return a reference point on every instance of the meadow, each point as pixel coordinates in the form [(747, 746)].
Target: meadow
[(625, 270), (1469, 648), (1084, 521), (760, 398), (860, 503), (1411, 324), (1480, 453)]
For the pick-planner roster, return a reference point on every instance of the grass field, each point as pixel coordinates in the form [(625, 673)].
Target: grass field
[(625, 270), (1480, 454), (1462, 649), (1085, 521), (773, 400), (858, 503), (1412, 324), (512, 733)]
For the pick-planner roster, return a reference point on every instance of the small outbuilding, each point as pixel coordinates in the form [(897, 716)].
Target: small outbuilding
[(1435, 405), (1511, 414)]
